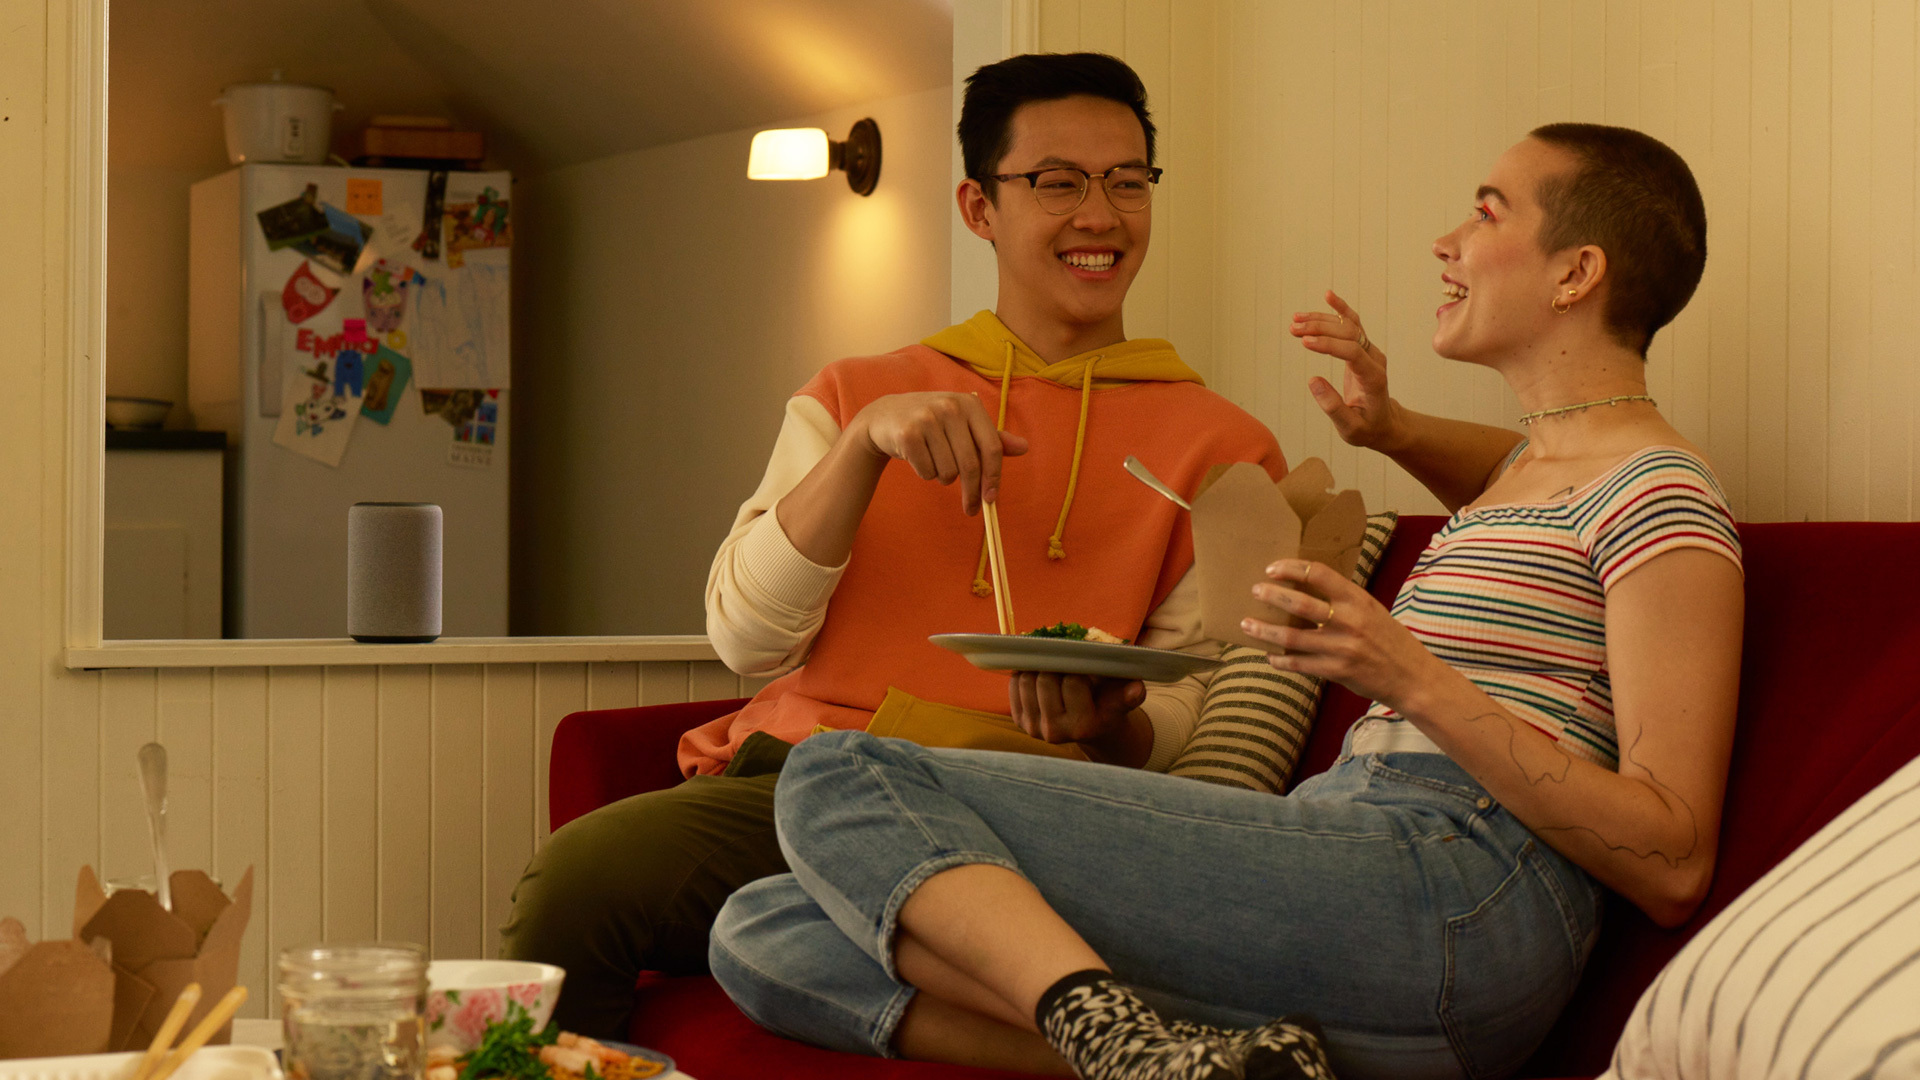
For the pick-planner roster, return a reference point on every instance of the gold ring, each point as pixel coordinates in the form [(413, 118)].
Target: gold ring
[(1363, 340), (1328, 619)]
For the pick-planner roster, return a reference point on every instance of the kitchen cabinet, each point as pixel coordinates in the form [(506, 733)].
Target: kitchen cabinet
[(161, 559)]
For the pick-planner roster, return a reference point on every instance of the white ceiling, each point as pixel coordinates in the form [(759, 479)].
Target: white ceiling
[(551, 82)]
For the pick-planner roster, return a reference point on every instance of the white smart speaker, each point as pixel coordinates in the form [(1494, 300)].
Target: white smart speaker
[(393, 572)]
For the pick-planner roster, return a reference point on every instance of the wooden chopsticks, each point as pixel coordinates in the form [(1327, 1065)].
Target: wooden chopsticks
[(221, 1012), (997, 560), (170, 1027)]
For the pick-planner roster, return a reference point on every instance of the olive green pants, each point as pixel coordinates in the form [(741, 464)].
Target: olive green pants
[(634, 886)]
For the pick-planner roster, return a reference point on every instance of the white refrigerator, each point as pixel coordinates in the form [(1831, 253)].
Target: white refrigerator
[(348, 331)]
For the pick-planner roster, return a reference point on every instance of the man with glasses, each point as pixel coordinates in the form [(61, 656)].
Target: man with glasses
[(851, 554)]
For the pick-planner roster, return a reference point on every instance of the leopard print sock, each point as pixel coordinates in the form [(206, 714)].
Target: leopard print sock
[(1106, 1032)]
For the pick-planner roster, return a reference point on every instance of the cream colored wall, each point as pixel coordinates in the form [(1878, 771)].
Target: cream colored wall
[(1314, 145), (397, 803), (666, 307), (147, 284)]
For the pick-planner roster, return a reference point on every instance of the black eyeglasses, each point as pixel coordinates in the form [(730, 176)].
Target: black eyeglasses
[(1061, 190)]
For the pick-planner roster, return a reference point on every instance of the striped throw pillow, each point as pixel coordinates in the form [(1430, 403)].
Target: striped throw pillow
[(1812, 972), (1254, 721)]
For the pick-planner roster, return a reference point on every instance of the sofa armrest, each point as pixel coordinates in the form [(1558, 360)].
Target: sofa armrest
[(604, 755)]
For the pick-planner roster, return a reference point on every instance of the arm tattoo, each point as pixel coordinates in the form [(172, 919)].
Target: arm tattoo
[(1537, 764), (1563, 493), (1540, 761)]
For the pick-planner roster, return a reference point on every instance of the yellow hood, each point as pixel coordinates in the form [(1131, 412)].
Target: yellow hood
[(986, 345)]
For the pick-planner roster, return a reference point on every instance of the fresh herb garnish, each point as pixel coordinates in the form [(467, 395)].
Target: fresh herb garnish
[(1073, 631), (510, 1048)]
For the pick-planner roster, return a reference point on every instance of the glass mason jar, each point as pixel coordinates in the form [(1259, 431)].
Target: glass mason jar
[(352, 1012)]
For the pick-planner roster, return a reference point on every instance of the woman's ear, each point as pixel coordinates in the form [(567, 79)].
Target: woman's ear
[(1584, 269), (976, 208)]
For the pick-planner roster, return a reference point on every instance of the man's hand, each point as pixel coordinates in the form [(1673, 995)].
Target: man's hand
[(1361, 411), (944, 436), (1077, 709)]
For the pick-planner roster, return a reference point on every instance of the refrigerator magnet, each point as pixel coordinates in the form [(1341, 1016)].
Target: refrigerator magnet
[(317, 415), (305, 295), (387, 377)]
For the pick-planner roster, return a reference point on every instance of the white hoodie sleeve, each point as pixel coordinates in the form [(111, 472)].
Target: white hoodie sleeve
[(1174, 708), (765, 600)]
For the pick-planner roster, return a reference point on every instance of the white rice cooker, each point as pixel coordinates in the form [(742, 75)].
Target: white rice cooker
[(277, 121)]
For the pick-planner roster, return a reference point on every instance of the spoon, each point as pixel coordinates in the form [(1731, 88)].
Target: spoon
[(153, 778), (1144, 475)]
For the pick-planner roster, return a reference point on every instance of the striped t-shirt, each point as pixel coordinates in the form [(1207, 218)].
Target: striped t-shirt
[(1514, 596)]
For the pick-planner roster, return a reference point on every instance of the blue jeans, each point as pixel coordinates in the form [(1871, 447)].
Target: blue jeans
[(1431, 933)]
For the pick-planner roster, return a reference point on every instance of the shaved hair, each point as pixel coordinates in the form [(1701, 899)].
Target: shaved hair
[(1633, 197)]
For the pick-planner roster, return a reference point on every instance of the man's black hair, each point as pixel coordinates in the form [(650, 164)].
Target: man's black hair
[(996, 91)]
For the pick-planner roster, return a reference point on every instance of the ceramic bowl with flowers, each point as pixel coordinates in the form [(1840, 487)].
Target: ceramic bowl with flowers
[(464, 996)]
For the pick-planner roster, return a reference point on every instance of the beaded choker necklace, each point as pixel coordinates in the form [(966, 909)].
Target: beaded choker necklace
[(1544, 413)]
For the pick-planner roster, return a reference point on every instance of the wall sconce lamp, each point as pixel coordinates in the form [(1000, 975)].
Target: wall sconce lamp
[(807, 154)]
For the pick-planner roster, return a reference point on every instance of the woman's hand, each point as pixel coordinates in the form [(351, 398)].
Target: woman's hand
[(1361, 412), (944, 436), (1356, 642)]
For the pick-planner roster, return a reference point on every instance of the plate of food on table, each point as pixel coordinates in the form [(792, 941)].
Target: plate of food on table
[(511, 1049)]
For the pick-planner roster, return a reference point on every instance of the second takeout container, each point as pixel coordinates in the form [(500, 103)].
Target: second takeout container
[(57, 999), (1243, 522), (156, 952)]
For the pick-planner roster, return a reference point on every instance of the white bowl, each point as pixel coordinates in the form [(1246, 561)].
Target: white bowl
[(137, 412), (464, 996)]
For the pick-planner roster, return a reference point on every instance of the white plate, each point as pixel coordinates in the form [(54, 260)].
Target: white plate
[(1013, 652), (208, 1063)]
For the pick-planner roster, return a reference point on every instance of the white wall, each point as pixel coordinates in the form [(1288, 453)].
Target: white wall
[(147, 284), (666, 307), (1314, 145)]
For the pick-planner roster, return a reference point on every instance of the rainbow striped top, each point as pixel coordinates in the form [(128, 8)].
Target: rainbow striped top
[(1514, 596)]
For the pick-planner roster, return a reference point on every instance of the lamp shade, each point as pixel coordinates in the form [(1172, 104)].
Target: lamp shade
[(788, 154)]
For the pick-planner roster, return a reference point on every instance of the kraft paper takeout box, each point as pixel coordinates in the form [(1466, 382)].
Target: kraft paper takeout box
[(156, 953), (56, 997), (1243, 522)]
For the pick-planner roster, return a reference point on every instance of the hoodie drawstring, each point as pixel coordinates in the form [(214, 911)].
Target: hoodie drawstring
[(980, 585), (1056, 546), (1055, 549)]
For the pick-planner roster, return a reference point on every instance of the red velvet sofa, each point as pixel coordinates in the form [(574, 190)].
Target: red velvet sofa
[(1829, 707)]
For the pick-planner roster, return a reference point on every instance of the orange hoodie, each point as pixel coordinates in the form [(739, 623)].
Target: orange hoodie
[(915, 556)]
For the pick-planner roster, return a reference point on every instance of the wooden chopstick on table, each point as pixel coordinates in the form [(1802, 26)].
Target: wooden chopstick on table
[(221, 1012), (162, 1039), (997, 560)]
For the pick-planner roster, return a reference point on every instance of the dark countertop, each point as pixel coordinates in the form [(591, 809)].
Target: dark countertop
[(155, 439)]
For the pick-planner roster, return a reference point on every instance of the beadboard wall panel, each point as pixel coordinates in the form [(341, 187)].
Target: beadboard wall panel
[(372, 802), (1313, 145)]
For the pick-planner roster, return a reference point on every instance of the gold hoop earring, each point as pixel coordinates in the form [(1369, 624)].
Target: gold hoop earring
[(1555, 304)]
